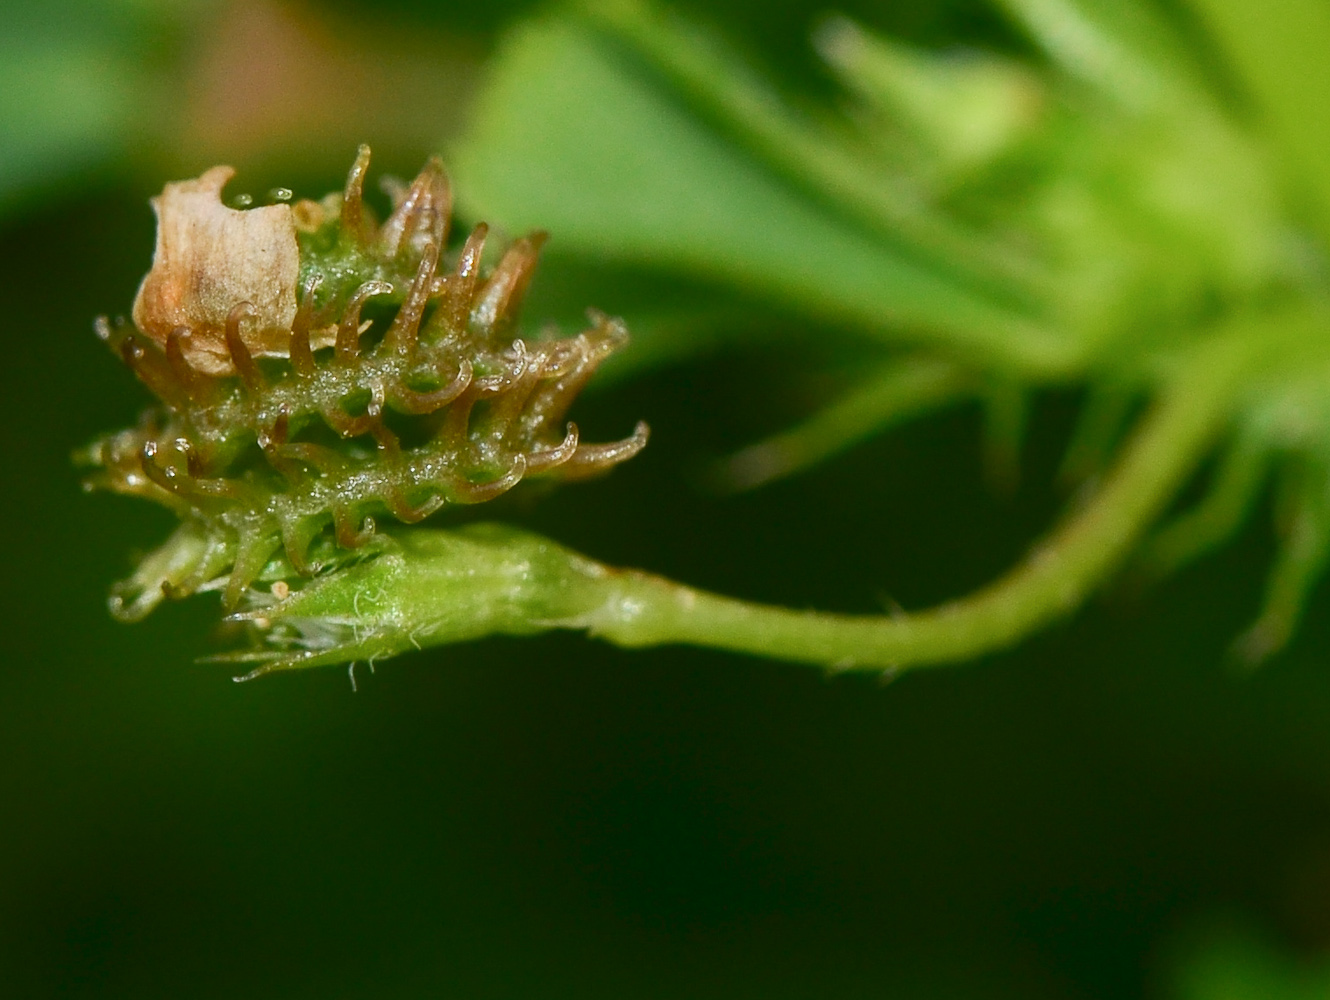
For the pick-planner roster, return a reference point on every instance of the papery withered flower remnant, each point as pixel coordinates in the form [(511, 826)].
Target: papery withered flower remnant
[(289, 422), (208, 258)]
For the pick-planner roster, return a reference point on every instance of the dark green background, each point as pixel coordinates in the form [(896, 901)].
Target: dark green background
[(557, 818)]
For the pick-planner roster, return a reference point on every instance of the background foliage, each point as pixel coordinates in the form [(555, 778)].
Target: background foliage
[(1105, 812)]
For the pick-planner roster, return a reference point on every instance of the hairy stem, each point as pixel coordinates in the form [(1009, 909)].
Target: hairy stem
[(436, 587), (1051, 582)]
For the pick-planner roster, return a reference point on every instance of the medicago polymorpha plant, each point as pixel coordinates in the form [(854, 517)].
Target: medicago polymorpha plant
[(1106, 218)]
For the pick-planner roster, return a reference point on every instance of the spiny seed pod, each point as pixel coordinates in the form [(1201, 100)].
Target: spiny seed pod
[(289, 421)]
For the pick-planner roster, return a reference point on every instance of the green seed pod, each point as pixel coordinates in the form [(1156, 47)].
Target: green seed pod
[(289, 422)]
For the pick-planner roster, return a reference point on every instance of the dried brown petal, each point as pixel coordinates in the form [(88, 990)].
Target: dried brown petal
[(208, 259)]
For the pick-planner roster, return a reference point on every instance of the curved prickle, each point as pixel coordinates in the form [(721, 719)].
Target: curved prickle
[(244, 446)]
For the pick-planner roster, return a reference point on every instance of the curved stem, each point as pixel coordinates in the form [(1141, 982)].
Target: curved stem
[(1236, 485), (1052, 581), (435, 587), (1302, 556), (900, 391)]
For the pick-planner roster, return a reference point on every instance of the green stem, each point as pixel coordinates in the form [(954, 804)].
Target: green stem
[(901, 390), (1054, 580), (437, 587), (1302, 556), (1237, 483)]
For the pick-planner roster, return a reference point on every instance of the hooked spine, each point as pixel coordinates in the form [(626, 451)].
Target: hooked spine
[(269, 436)]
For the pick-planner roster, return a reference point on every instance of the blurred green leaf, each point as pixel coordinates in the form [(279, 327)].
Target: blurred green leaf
[(80, 82), (1235, 965), (65, 109), (1278, 50), (811, 152), (1126, 49), (622, 171)]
